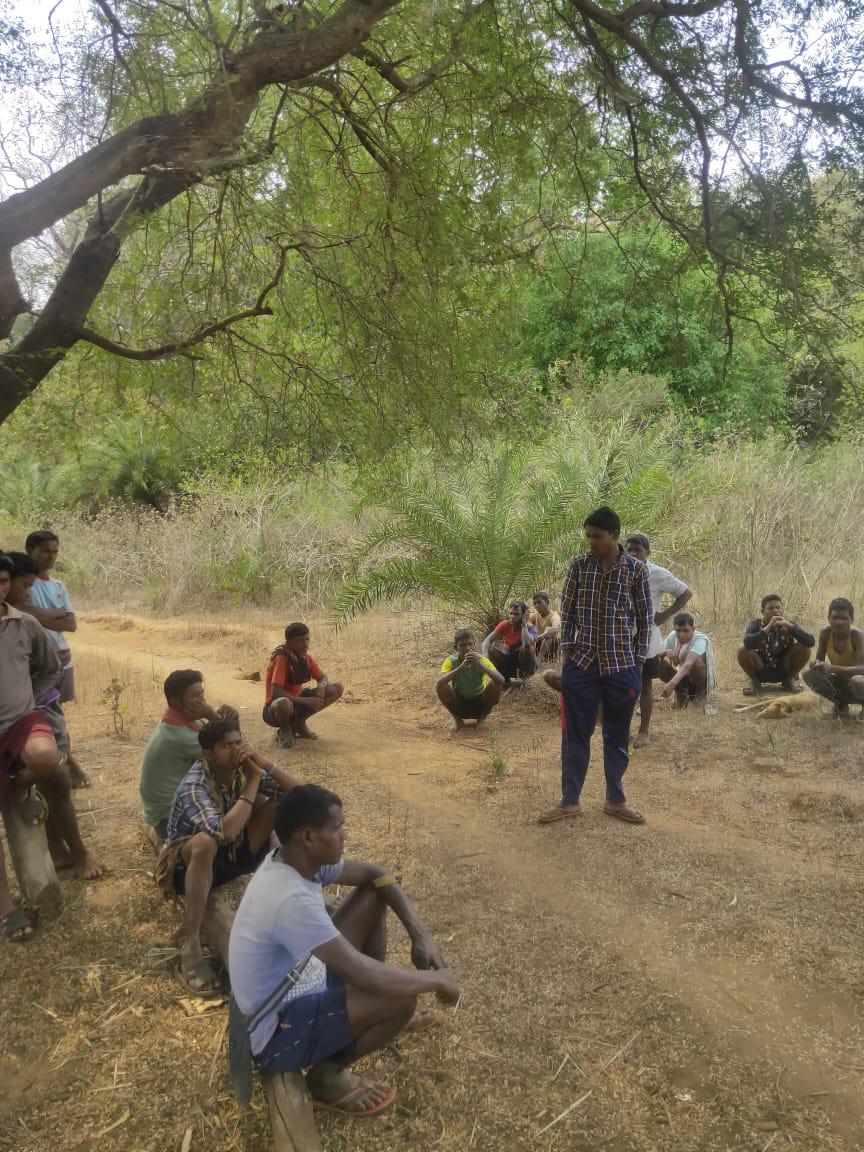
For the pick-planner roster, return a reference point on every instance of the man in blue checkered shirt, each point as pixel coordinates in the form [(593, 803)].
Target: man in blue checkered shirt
[(606, 618)]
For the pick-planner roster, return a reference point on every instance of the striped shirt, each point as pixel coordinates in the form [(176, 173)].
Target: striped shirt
[(201, 801), (606, 616)]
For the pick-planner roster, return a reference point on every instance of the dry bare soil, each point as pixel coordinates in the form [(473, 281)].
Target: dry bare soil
[(696, 983)]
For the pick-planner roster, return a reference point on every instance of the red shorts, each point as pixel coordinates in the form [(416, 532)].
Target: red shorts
[(12, 742)]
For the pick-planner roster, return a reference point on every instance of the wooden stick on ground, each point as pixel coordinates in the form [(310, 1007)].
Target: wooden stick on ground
[(291, 1117), (28, 847)]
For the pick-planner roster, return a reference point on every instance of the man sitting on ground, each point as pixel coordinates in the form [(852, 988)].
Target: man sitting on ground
[(547, 625), (510, 645), (219, 828), (775, 649), (289, 703), (341, 999), (837, 673), (29, 758), (173, 746), (687, 666), (469, 685), (661, 582)]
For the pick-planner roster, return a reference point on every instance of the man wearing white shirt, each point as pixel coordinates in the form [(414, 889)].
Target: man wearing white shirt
[(661, 582)]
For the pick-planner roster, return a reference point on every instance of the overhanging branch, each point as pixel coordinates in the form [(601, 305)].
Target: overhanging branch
[(177, 347)]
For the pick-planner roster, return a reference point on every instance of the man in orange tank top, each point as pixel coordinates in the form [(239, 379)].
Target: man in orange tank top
[(837, 673)]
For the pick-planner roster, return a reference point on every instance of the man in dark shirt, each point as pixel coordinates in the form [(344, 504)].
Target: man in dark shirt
[(775, 649), (606, 623)]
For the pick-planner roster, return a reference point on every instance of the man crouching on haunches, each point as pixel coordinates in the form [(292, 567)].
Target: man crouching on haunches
[(341, 1000)]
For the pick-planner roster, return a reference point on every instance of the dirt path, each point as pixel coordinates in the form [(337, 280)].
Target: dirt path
[(712, 958)]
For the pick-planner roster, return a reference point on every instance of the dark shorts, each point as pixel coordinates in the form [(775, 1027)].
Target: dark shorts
[(311, 1029), (507, 664), (468, 707), (772, 674), (225, 868), (12, 743), (66, 684), (265, 714), (651, 669), (686, 688)]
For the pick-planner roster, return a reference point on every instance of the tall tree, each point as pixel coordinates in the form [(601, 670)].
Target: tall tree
[(478, 121)]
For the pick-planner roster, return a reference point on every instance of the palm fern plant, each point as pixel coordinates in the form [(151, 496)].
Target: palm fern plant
[(478, 537)]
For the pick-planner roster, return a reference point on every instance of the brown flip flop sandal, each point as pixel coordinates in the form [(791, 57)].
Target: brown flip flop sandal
[(628, 815), (338, 1105), (559, 813)]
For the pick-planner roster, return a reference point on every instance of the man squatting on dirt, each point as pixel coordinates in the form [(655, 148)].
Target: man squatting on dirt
[(342, 1000)]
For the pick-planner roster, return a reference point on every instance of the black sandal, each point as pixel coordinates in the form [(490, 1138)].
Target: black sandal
[(15, 925)]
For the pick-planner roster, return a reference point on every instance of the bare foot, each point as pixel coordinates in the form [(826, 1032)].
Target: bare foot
[(458, 725), (642, 740), (62, 860), (89, 868)]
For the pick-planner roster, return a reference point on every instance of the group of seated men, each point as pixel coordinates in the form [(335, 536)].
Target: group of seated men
[(775, 650), (37, 769), (313, 990)]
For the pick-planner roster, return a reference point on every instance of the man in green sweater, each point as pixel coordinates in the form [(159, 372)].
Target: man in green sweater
[(173, 746)]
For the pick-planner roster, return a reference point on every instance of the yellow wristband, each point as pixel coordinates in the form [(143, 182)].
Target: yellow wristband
[(385, 881)]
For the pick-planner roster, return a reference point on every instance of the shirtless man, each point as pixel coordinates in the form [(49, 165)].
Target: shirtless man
[(837, 673)]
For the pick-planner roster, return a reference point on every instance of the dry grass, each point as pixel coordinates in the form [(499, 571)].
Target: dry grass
[(695, 984)]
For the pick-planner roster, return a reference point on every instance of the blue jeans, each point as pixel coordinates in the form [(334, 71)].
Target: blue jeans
[(582, 691)]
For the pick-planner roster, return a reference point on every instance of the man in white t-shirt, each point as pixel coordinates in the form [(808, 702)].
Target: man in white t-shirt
[(342, 1000), (661, 582)]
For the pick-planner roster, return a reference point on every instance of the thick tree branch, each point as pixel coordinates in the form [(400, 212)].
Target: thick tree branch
[(259, 308), (197, 140)]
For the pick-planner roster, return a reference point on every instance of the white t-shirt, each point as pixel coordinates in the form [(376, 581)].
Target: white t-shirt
[(281, 919), (50, 594), (661, 580)]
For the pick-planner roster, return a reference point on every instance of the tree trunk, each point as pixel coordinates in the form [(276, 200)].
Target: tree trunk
[(34, 868), (292, 1120)]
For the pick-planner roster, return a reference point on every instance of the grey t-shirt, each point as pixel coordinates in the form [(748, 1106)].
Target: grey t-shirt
[(28, 665), (281, 919)]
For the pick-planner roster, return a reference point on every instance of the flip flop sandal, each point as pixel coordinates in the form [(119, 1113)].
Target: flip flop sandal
[(207, 977), (559, 813), (338, 1106), (14, 924), (33, 806), (628, 815)]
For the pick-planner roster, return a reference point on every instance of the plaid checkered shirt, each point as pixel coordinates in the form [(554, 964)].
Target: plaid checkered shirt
[(201, 801), (606, 616)]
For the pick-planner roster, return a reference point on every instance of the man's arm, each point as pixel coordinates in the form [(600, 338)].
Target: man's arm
[(754, 635), (805, 639), (822, 650), (487, 643), (683, 669), (44, 662), (57, 619), (569, 596), (492, 672), (424, 951), (644, 614), (675, 607), (284, 780), (368, 975)]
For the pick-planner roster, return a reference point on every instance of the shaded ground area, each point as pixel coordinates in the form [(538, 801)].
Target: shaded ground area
[(693, 984)]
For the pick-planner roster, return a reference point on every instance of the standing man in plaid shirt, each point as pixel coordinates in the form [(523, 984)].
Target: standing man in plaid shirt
[(606, 624)]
